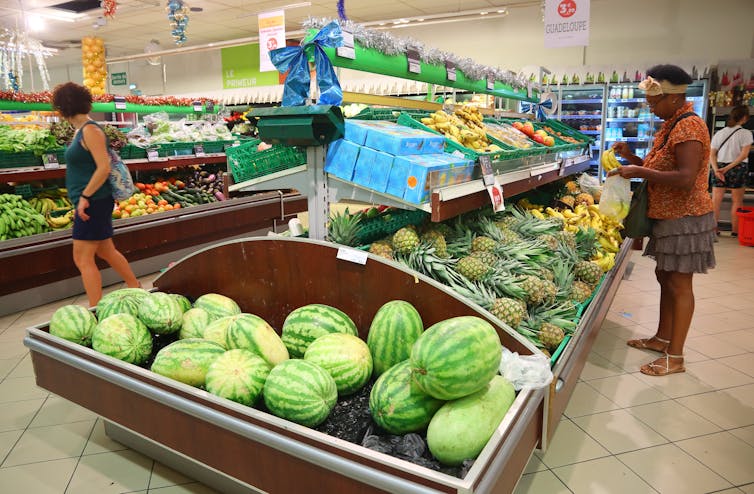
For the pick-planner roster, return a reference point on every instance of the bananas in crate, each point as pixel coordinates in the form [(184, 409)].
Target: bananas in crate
[(464, 127), (18, 218)]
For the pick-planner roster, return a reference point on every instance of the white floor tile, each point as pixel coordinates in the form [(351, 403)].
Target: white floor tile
[(724, 453), (163, 476), (122, 471), (49, 443), (619, 431), (602, 476), (57, 410), (24, 388), (16, 415), (49, 477), (570, 444), (540, 483), (586, 400), (717, 375), (99, 442), (673, 420), (627, 390), (720, 408)]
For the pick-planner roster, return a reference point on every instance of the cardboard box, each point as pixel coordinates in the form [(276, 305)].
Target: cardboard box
[(372, 163), (403, 141), (429, 171), (341, 158), (356, 130)]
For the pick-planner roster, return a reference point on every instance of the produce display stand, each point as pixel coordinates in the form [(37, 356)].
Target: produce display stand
[(232, 447)]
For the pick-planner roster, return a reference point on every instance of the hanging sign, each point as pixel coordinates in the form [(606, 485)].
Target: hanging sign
[(271, 37), (50, 161), (347, 49), (118, 79), (120, 102), (450, 70), (566, 23), (414, 61)]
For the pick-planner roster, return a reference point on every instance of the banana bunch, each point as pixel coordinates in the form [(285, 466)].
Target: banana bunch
[(605, 260), (463, 128), (18, 218), (582, 216), (525, 203), (58, 221), (608, 160)]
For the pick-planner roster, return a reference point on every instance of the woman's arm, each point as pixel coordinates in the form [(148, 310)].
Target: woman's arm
[(739, 159), (713, 162), (624, 151), (688, 155), (94, 140)]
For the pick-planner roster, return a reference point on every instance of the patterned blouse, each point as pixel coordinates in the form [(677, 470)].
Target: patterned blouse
[(666, 201)]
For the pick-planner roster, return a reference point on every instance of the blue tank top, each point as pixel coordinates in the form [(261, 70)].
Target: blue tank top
[(80, 167)]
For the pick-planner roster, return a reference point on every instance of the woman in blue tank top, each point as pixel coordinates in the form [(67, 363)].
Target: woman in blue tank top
[(86, 178)]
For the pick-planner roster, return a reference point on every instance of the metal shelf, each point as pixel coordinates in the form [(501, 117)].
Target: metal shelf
[(598, 100), (634, 119), (628, 139), (575, 117), (590, 132)]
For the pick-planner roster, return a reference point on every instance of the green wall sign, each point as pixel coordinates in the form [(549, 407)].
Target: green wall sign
[(118, 79), (240, 66)]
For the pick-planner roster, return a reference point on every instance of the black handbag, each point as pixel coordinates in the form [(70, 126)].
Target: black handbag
[(637, 224)]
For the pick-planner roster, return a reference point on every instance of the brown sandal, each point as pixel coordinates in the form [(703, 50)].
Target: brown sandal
[(641, 344), (658, 369)]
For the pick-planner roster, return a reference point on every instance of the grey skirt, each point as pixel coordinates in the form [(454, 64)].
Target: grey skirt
[(683, 245)]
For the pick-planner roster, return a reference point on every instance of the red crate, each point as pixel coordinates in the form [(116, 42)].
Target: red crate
[(746, 226)]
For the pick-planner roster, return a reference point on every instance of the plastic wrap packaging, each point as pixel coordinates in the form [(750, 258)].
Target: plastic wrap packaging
[(525, 371), (616, 197)]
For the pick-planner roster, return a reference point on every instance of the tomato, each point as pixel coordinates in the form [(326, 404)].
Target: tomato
[(177, 205), (140, 185)]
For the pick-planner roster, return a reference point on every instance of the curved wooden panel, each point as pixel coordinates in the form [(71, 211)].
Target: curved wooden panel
[(270, 277)]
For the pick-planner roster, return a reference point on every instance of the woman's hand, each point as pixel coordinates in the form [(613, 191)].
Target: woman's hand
[(628, 171), (81, 209), (623, 149), (720, 175)]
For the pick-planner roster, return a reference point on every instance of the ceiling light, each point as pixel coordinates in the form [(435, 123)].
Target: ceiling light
[(502, 11), (483, 13), (35, 23), (420, 20)]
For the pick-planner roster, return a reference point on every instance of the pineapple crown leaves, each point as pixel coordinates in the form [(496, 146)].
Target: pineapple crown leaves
[(561, 314), (586, 240), (460, 246), (505, 284), (424, 260), (344, 228), (528, 225), (562, 267)]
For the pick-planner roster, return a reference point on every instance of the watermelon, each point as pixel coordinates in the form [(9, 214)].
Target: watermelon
[(187, 360), (217, 305), (394, 330), (252, 333), (345, 357), (398, 405), (217, 330), (118, 302), (307, 323), (73, 323), (456, 357), (301, 392), (161, 313), (474, 418), (137, 293), (195, 321), (124, 337), (182, 301), (238, 375)]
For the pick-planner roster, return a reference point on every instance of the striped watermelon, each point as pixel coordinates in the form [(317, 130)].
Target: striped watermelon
[(301, 392), (161, 313), (123, 301), (73, 323), (217, 330), (238, 375), (217, 305), (195, 321), (124, 337), (307, 323), (137, 293), (456, 357), (394, 330), (252, 333), (398, 405), (182, 301), (346, 357), (187, 360)]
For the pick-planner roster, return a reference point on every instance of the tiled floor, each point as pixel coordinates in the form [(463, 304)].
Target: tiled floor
[(622, 432)]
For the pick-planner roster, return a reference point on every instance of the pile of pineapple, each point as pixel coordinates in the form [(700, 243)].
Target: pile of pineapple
[(528, 271), (465, 127)]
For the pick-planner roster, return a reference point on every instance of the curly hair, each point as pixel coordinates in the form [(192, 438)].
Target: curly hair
[(71, 99), (671, 73)]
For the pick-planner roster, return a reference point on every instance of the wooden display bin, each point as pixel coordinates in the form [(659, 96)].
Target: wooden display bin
[(270, 277)]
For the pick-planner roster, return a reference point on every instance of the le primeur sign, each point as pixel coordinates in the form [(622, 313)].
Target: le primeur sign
[(566, 23)]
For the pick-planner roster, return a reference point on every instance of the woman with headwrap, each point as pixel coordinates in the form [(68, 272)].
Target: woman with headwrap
[(683, 234)]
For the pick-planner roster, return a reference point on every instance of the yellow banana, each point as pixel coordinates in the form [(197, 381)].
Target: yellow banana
[(607, 244), (537, 214)]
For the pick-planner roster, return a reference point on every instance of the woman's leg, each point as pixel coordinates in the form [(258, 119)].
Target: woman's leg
[(83, 257), (717, 201), (107, 251), (659, 342), (737, 197)]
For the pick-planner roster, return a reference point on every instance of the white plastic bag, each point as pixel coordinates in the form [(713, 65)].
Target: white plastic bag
[(525, 371), (616, 197), (589, 184)]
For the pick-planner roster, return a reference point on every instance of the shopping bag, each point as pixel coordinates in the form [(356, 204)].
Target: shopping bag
[(121, 183), (616, 197), (637, 224)]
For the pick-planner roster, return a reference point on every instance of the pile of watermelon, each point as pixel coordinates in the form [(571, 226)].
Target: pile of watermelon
[(443, 381)]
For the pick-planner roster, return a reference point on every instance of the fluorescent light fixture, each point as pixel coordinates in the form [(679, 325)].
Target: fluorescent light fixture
[(290, 6), (35, 23), (420, 20), (483, 13)]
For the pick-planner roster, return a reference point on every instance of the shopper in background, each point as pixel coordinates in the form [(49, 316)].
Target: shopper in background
[(86, 178), (730, 164), (683, 234)]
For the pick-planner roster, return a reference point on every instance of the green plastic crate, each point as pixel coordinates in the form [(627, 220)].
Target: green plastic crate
[(389, 114), (175, 149), (569, 131), (246, 163), (23, 190), (19, 160), (216, 146)]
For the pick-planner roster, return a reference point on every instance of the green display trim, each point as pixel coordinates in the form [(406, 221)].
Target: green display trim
[(370, 60), (103, 108)]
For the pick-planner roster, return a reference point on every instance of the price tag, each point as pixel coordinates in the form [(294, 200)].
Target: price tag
[(209, 106), (490, 82), (353, 255), (199, 150), (232, 145), (528, 89), (120, 102), (414, 62), (198, 106), (496, 196), (152, 155), (564, 163), (485, 163), (347, 49), (50, 161), (450, 71)]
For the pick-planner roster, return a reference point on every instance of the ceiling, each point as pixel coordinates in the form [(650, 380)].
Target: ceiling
[(136, 22)]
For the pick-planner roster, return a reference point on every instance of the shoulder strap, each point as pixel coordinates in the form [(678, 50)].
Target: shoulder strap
[(729, 136), (670, 130), (81, 130)]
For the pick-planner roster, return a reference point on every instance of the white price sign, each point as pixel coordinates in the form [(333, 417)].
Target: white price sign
[(271, 37), (353, 255), (566, 23)]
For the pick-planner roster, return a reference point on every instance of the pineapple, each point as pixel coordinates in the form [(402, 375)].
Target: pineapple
[(344, 228), (443, 229), (405, 240), (472, 268), (568, 200), (550, 240), (587, 271), (580, 291), (509, 237), (573, 187), (488, 258), (546, 274), (551, 335), (485, 244), (535, 288), (546, 352), (522, 304), (509, 311), (566, 239), (436, 240), (585, 198), (382, 248)]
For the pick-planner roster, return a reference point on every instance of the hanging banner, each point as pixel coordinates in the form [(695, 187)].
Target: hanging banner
[(240, 66), (271, 37), (566, 23)]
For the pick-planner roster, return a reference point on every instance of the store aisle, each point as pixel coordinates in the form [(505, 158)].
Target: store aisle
[(623, 432)]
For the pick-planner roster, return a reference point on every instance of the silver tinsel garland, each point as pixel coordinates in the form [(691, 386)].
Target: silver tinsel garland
[(15, 46), (385, 42)]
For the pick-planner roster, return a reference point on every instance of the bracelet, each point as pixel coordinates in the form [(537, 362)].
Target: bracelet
[(86, 197)]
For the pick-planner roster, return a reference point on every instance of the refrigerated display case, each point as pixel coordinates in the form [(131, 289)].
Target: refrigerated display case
[(582, 108)]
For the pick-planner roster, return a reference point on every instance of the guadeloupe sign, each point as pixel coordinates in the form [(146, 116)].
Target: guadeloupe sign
[(566, 23)]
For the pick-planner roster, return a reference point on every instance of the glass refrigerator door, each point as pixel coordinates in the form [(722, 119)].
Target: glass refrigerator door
[(581, 107)]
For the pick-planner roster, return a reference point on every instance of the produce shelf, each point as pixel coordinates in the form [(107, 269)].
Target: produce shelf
[(579, 117), (634, 119), (588, 100), (104, 108)]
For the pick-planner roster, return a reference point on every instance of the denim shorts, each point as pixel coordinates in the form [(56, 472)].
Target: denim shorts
[(100, 223)]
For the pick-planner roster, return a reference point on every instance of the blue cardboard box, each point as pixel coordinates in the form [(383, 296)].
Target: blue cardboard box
[(356, 130), (402, 141), (372, 163), (431, 170), (396, 184), (341, 158)]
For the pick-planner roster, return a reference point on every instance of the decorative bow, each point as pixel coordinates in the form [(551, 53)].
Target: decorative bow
[(295, 60), (537, 108)]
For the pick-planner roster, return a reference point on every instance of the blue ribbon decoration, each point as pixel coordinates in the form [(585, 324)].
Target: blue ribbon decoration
[(342, 10), (295, 60), (537, 108)]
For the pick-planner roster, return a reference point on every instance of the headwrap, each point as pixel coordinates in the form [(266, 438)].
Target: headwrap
[(653, 87)]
